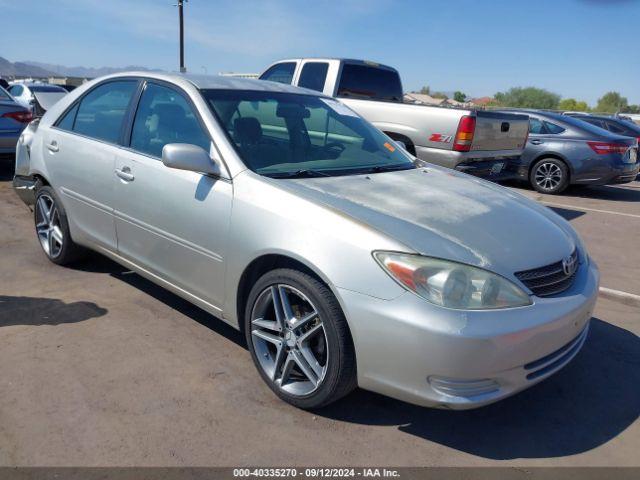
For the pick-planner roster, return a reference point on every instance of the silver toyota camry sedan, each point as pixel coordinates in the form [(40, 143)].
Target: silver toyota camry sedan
[(343, 260)]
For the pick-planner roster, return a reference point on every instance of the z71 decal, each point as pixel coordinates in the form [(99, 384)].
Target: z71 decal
[(438, 137)]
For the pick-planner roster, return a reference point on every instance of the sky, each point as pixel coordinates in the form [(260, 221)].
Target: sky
[(576, 48)]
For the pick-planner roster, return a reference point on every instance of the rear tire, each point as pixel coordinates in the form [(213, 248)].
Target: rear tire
[(52, 228), (549, 175), (309, 371)]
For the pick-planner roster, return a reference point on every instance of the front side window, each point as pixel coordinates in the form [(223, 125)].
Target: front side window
[(284, 135), (4, 95), (102, 110), (313, 75), (280, 72), (164, 116), (370, 82)]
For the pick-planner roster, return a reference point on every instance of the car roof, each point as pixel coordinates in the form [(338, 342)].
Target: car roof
[(218, 82), (355, 61)]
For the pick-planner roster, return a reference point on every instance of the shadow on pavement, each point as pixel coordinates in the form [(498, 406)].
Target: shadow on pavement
[(606, 192), (7, 166), (567, 214), (45, 311), (99, 264), (588, 403)]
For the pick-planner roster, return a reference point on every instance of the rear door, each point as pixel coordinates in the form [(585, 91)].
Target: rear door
[(80, 149), (171, 222)]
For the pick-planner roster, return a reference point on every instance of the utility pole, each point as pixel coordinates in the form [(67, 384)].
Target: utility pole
[(181, 17)]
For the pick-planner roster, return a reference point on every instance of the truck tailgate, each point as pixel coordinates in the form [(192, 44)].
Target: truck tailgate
[(500, 131)]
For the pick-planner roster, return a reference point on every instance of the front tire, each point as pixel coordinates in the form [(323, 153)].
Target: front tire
[(299, 339), (52, 228), (549, 175)]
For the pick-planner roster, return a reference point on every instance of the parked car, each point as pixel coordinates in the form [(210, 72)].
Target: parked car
[(13, 118), (287, 215), (564, 150), (615, 124), (38, 97), (473, 141)]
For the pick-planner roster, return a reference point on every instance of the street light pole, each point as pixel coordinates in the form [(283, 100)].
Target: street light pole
[(181, 16)]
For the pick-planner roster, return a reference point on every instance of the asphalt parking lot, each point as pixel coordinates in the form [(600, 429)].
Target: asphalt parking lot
[(99, 367)]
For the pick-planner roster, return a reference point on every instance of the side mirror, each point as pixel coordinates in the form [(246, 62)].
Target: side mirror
[(184, 156)]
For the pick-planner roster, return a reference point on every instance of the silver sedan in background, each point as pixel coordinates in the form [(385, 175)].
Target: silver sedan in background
[(342, 259)]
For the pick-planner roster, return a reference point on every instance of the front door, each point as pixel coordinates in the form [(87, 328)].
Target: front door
[(173, 223)]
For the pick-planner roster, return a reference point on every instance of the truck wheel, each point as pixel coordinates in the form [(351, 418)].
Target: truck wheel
[(549, 175), (52, 228), (299, 339)]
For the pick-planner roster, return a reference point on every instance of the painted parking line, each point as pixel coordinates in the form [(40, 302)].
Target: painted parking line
[(576, 207), (627, 298)]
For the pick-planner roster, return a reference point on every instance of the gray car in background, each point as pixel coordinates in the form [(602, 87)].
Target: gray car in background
[(13, 119), (563, 150), (287, 215)]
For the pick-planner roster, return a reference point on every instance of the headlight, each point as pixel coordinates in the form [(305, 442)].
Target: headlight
[(452, 284)]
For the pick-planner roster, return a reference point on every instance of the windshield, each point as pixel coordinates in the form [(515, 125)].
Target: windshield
[(283, 134)]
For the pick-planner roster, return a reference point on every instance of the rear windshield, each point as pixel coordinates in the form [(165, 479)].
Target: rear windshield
[(46, 88), (370, 82), (284, 135)]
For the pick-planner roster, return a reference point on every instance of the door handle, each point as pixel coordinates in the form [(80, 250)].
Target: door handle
[(125, 174), (53, 146), (536, 141)]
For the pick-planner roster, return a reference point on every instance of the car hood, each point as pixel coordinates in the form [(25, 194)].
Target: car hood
[(446, 214)]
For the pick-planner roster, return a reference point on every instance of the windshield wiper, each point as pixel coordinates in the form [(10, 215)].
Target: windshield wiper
[(309, 173), (389, 168)]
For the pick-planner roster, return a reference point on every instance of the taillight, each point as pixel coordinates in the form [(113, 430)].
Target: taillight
[(602, 148), (464, 135), (21, 116)]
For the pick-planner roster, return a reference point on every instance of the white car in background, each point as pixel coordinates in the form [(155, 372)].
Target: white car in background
[(37, 96)]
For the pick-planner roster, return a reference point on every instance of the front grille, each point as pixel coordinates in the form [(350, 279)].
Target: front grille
[(549, 280)]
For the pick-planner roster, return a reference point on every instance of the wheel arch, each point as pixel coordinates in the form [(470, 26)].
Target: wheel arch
[(411, 148), (555, 155), (271, 261)]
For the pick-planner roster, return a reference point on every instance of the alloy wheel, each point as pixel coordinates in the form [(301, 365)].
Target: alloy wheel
[(548, 176), (48, 226), (289, 339)]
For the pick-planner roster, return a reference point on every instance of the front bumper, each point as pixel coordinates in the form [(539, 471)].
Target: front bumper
[(411, 350)]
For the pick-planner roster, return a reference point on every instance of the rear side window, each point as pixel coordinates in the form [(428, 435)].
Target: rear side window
[(16, 90), (313, 75), (553, 128), (280, 72), (102, 111), (164, 116), (535, 126), (615, 128), (67, 121), (369, 82)]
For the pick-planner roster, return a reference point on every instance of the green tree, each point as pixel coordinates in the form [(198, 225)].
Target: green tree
[(458, 96), (632, 109), (573, 105), (439, 95), (611, 102), (426, 90), (528, 97)]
